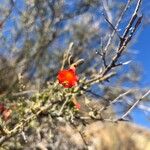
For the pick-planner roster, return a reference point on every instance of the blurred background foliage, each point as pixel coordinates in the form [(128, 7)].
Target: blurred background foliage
[(35, 34)]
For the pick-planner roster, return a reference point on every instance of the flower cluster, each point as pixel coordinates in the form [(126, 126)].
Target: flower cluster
[(68, 77)]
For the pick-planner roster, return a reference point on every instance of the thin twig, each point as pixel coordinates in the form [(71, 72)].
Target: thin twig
[(116, 26), (134, 16), (115, 100), (100, 78), (24, 92), (66, 55), (134, 105), (140, 106), (112, 26), (61, 109), (121, 95)]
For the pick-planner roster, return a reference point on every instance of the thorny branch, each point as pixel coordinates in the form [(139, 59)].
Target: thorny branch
[(20, 126)]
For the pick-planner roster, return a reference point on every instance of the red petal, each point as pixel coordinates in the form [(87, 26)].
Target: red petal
[(6, 114), (67, 78), (77, 106)]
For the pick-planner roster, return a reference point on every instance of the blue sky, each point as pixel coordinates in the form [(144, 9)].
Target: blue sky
[(140, 118), (142, 45)]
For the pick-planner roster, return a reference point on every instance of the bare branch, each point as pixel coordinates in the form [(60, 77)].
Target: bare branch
[(117, 25), (100, 78), (115, 100), (134, 16), (134, 105)]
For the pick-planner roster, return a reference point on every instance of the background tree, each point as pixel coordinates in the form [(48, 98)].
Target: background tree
[(39, 38)]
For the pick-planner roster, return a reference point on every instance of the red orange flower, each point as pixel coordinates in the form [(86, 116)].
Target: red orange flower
[(68, 77), (6, 113), (77, 106)]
